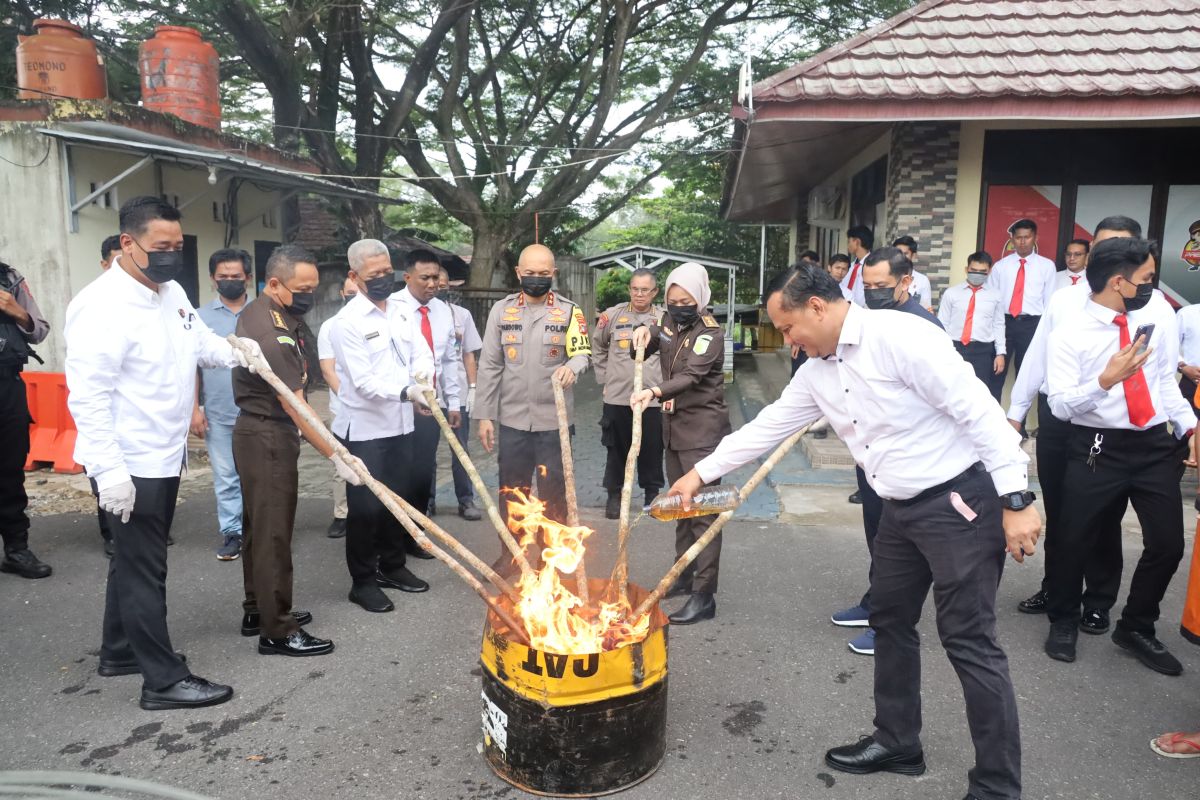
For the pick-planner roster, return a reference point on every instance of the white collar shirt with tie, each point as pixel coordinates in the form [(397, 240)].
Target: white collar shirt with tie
[(987, 321), (1188, 320), (852, 283), (445, 348), (1040, 282), (1066, 278)]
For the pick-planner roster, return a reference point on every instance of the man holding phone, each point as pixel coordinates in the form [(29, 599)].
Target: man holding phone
[(1118, 392)]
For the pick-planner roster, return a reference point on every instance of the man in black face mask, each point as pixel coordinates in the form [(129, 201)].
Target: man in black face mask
[(215, 412)]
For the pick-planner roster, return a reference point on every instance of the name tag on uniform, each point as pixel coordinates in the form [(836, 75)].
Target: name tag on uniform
[(668, 406), (371, 335)]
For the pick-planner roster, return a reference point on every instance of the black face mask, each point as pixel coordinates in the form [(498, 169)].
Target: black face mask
[(162, 265), (346, 298), (535, 285), (452, 297), (231, 290), (1144, 292), (881, 298), (380, 288), (302, 303), (683, 315), (443, 295)]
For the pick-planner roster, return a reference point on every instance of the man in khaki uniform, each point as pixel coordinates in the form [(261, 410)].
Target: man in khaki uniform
[(531, 338), (613, 358)]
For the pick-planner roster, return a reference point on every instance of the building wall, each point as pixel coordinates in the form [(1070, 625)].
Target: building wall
[(806, 235), (921, 191)]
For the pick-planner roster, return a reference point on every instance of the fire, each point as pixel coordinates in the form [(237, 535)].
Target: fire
[(554, 616)]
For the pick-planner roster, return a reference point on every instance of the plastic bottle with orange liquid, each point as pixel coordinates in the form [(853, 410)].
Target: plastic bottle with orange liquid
[(713, 500)]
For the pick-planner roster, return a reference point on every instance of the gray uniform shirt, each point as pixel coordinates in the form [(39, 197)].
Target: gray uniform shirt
[(613, 353)]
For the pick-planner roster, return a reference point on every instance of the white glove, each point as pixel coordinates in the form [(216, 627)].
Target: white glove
[(118, 500), (344, 471), (242, 359), (470, 399), (416, 394)]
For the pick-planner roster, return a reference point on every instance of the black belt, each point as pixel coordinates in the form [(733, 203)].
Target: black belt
[(268, 418), (1023, 316), (942, 488)]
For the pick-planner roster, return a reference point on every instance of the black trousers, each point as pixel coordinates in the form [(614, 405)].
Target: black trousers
[(426, 437), (981, 356), (105, 533), (266, 453), (1103, 563), (463, 490), (931, 543), (14, 432), (872, 510), (521, 456), (375, 538), (1018, 333), (1187, 387), (135, 603), (705, 569), (616, 434), (1139, 467)]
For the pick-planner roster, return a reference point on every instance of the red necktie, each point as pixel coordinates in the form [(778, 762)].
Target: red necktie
[(427, 332), (853, 275), (1137, 393), (1074, 279), (1014, 305), (966, 337)]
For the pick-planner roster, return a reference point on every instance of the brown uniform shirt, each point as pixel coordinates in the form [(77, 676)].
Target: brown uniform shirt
[(278, 334), (613, 354), (693, 386)]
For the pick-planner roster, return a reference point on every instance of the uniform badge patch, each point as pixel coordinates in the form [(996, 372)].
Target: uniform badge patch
[(622, 319), (556, 339), (708, 320), (623, 344), (277, 320), (702, 343), (511, 353), (600, 323), (553, 352), (286, 340), (510, 337)]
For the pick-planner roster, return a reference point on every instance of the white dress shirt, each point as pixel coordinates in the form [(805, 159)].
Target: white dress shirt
[(376, 354), (445, 350), (891, 375), (1188, 320), (1065, 278), (921, 290), (1032, 377), (132, 354), (1079, 351), (1040, 281), (988, 323), (854, 293), (325, 351), (466, 340)]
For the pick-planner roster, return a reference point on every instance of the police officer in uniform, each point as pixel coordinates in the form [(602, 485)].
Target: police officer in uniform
[(531, 338), (691, 348), (21, 324), (266, 449), (614, 362)]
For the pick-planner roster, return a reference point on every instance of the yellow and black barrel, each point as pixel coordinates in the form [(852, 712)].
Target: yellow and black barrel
[(575, 725)]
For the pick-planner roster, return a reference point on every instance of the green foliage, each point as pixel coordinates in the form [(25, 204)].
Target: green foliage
[(612, 287)]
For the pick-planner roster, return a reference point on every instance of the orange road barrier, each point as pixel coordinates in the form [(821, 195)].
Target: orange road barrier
[(1189, 628), (52, 433)]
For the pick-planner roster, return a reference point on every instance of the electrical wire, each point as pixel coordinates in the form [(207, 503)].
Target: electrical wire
[(42, 160)]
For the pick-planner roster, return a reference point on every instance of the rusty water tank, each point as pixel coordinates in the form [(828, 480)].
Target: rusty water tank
[(180, 75), (59, 60)]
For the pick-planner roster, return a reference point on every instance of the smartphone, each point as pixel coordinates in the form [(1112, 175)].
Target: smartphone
[(1144, 330)]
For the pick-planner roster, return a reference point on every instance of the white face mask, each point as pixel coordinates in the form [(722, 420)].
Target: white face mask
[(977, 278)]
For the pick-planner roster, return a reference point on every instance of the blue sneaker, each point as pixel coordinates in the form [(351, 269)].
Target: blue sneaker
[(865, 643), (855, 617)]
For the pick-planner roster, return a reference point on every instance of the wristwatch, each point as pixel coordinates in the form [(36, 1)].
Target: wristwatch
[(1015, 501)]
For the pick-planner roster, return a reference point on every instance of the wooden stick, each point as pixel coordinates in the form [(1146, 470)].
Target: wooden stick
[(693, 552), (485, 494), (620, 576), (390, 501), (568, 464)]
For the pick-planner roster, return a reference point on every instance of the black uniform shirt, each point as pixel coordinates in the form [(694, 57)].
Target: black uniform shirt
[(693, 386), (278, 334)]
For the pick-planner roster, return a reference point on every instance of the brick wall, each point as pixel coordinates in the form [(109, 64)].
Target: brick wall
[(921, 181)]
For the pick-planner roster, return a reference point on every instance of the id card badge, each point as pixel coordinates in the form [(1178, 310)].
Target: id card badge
[(668, 406)]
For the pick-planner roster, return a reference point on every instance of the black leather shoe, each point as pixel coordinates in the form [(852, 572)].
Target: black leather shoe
[(24, 563), (109, 548), (1060, 643), (337, 528), (868, 755), (370, 597), (113, 669), (1149, 651), (191, 692), (469, 512), (416, 551), (1033, 605), (700, 606), (297, 643), (682, 587), (1094, 621), (612, 508), (401, 579), (855, 498), (250, 621)]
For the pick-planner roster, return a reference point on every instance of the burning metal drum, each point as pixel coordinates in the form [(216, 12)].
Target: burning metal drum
[(575, 725)]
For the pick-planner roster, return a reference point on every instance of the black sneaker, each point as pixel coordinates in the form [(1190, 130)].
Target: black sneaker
[(855, 498), (1060, 644), (1033, 605), (1148, 650), (1094, 621), (401, 579), (231, 549), (468, 511), (612, 507), (371, 598), (337, 528), (191, 692), (24, 563)]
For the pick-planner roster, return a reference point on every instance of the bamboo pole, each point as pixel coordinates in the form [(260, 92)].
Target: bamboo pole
[(620, 576), (568, 464), (390, 500), (485, 494), (693, 552)]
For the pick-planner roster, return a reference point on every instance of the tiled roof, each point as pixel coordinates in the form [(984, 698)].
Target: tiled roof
[(962, 49)]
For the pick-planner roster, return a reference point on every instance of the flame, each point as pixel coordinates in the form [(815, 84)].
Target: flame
[(554, 616)]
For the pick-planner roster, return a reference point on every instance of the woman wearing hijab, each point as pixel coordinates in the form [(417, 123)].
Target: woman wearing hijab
[(691, 348)]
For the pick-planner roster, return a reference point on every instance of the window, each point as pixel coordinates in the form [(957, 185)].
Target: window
[(1179, 275)]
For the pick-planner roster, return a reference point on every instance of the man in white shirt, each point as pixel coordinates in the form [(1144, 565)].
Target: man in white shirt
[(859, 241), (468, 343), (1188, 321), (435, 329), (921, 290), (337, 528), (1025, 281), (972, 314), (378, 355), (1116, 386), (955, 499), (133, 345), (1076, 258)]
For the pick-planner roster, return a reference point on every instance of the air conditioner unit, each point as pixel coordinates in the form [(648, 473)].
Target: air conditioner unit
[(826, 204)]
